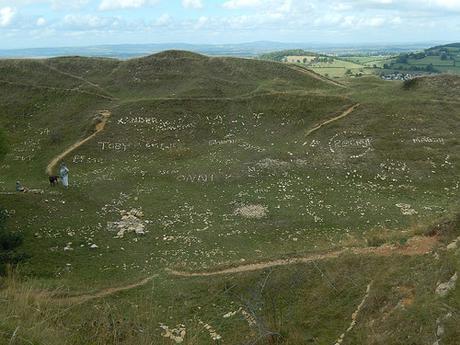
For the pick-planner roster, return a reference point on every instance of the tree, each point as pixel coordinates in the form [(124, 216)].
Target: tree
[(403, 58), (430, 68)]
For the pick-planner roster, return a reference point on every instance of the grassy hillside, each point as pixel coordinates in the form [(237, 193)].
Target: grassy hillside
[(237, 165)]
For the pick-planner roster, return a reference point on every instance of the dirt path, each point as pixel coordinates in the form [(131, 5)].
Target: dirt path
[(415, 246), (102, 293), (344, 114), (99, 127), (316, 75), (86, 81), (52, 88)]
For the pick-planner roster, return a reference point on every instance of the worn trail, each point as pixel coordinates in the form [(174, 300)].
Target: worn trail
[(105, 114), (105, 292), (415, 246), (52, 88), (341, 116)]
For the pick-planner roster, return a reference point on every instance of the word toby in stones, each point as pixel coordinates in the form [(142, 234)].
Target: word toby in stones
[(109, 146)]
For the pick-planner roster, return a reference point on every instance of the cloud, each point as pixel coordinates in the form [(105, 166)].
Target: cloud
[(192, 4), (6, 16), (447, 4), (124, 4), (201, 22), (163, 20), (89, 22), (66, 4), (238, 4), (41, 21)]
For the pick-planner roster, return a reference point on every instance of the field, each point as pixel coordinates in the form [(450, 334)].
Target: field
[(229, 201), (337, 68), (442, 59)]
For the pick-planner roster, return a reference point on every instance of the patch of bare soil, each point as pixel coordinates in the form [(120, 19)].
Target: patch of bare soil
[(336, 118), (104, 293), (251, 211)]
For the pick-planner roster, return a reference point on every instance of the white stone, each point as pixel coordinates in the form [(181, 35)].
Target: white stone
[(443, 289)]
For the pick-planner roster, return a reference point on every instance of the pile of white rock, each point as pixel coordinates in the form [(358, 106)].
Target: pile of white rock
[(131, 221)]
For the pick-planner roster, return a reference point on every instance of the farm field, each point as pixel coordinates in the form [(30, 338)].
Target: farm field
[(338, 68), (229, 201), (441, 59)]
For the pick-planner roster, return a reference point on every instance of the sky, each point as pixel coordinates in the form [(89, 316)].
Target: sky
[(60, 23)]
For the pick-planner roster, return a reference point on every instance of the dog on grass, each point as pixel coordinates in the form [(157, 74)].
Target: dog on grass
[(53, 180)]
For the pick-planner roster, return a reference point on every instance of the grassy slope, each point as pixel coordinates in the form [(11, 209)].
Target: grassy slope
[(318, 198)]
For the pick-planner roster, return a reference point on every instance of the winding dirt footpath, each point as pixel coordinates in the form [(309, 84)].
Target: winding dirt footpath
[(105, 292), (344, 114), (418, 245), (99, 127), (86, 81), (52, 88)]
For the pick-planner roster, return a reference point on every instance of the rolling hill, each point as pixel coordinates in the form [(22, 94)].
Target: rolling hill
[(439, 59), (223, 200)]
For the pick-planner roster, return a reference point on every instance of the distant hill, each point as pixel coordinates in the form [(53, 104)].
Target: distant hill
[(250, 49)]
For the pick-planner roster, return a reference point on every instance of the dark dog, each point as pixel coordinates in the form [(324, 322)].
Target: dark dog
[(54, 180)]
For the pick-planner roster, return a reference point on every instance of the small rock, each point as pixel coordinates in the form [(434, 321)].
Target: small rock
[(443, 289), (94, 246), (452, 246)]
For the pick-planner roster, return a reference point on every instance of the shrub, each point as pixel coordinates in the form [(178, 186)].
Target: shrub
[(9, 244)]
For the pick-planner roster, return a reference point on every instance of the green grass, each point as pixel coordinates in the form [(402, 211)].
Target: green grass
[(203, 137)]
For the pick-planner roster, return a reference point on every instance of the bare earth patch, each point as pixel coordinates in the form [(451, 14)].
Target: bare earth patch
[(252, 211)]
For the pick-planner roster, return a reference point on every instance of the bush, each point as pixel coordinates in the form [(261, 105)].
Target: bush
[(10, 241), (9, 244), (409, 84)]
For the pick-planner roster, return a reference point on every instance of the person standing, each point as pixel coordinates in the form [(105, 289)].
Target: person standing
[(64, 174)]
